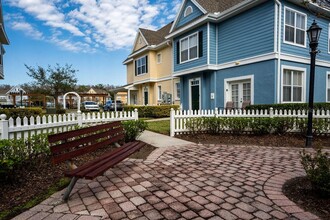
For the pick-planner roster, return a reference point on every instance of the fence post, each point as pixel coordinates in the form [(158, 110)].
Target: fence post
[(271, 112), (79, 118), (4, 126), (172, 122), (136, 114), (216, 112)]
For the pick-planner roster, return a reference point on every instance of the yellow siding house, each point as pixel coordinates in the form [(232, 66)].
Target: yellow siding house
[(149, 69)]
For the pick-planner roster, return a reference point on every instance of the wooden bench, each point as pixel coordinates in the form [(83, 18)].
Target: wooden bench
[(68, 145)]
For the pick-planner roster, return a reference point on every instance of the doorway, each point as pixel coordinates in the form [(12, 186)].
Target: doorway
[(146, 96), (194, 93)]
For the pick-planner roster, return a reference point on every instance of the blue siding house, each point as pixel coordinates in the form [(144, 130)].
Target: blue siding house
[(248, 50)]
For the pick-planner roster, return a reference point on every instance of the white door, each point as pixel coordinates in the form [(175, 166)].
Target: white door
[(240, 91)]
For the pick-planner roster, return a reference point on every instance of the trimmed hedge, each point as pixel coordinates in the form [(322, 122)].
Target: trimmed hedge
[(156, 111), (21, 112), (290, 106), (257, 126)]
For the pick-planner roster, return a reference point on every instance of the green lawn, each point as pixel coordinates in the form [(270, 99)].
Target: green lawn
[(162, 127)]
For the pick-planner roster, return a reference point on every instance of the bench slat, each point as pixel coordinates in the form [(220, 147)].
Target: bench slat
[(69, 155), (70, 134), (100, 162), (112, 163), (90, 163), (75, 143)]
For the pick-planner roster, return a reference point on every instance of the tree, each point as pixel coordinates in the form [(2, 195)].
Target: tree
[(53, 81)]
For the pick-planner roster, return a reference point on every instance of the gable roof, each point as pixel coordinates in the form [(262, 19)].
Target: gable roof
[(212, 6), (156, 37), (206, 6)]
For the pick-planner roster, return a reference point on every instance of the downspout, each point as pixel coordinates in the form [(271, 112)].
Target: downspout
[(279, 40)]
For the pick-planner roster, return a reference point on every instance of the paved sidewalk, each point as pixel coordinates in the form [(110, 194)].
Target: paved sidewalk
[(187, 182), (160, 140)]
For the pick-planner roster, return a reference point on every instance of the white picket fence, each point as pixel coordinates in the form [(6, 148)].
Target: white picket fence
[(23, 128), (179, 118)]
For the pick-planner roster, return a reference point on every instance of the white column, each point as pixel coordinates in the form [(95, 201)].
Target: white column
[(128, 97)]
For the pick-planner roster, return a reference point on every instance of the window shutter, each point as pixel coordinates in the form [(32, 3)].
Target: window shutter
[(146, 64), (200, 43), (135, 62), (178, 52)]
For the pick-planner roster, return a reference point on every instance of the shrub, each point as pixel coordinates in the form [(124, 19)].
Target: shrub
[(156, 111), (237, 125), (17, 153), (133, 129), (60, 111), (290, 106), (21, 112), (195, 125), (282, 125), (215, 125), (317, 168), (261, 126)]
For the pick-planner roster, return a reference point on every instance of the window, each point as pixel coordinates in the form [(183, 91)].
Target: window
[(177, 86), (188, 11), (328, 88), (159, 58), (293, 86), (189, 48), (159, 92), (141, 66), (295, 27)]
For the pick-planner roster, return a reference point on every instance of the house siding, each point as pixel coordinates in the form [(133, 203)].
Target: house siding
[(194, 63), (184, 20), (304, 51), (248, 34), (213, 43)]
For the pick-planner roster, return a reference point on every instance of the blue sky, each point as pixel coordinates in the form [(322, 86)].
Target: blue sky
[(94, 36)]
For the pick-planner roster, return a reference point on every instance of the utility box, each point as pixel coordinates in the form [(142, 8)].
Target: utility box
[(166, 98)]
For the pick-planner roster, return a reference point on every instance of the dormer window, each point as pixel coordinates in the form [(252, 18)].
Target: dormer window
[(188, 11)]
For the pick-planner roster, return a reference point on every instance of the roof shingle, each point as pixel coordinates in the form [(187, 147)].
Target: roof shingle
[(156, 37), (212, 6)]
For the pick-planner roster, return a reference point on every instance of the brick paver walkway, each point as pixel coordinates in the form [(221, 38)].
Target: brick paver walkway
[(190, 182)]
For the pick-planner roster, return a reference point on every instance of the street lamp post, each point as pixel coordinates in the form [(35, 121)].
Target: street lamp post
[(313, 34)]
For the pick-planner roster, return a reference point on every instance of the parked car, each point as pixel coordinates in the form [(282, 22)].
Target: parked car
[(107, 105), (92, 106), (111, 106)]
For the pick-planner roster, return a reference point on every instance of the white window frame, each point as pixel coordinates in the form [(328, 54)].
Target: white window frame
[(295, 20), (136, 67), (160, 58), (200, 92), (327, 86), (227, 89), (159, 92), (177, 85), (303, 82), (186, 11), (187, 37)]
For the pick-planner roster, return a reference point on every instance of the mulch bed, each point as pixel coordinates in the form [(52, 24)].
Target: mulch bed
[(287, 140), (300, 191), (33, 180)]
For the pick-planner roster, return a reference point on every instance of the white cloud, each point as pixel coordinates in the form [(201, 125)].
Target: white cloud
[(27, 28), (94, 24), (47, 12)]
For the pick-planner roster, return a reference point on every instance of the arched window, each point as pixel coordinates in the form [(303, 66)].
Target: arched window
[(188, 11)]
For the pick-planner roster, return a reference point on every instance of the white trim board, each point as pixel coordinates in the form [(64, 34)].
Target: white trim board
[(251, 60), (327, 86)]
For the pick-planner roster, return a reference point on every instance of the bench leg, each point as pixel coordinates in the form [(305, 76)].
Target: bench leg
[(69, 188)]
